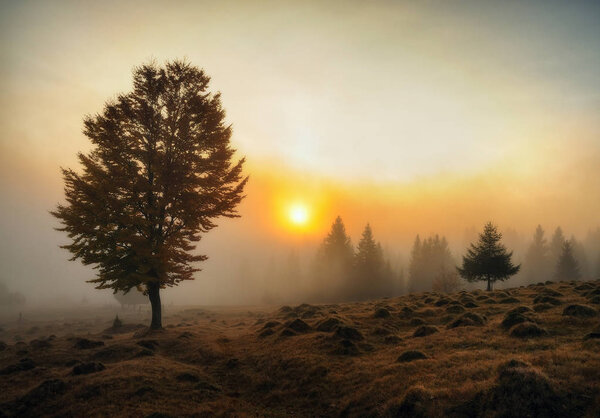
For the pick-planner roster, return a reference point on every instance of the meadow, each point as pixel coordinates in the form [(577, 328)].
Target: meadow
[(528, 351)]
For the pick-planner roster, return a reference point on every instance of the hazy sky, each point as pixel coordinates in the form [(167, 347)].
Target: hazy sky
[(416, 116)]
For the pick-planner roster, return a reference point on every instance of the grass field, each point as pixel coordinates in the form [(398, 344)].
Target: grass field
[(530, 351)]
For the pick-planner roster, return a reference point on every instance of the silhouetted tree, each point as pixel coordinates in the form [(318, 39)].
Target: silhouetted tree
[(567, 267), (159, 173), (580, 255), (488, 260), (556, 245), (537, 260), (372, 274), (334, 262), (427, 261)]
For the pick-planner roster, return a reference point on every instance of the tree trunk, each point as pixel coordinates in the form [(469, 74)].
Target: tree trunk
[(489, 287), (154, 296)]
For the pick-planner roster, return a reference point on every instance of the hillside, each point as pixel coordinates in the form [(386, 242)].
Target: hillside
[(530, 351)]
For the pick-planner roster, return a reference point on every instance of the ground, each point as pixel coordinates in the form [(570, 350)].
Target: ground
[(516, 352)]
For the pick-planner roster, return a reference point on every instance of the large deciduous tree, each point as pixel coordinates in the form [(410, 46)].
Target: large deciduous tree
[(488, 260), (160, 172)]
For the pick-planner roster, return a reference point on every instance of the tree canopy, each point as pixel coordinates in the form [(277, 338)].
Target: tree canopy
[(488, 260), (159, 173)]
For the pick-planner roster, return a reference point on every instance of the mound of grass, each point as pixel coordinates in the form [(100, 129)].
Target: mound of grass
[(467, 319), (520, 309), (513, 318), (471, 305), (406, 312), (346, 348), (551, 292), (547, 299), (521, 391), (580, 311), (299, 326), (87, 368), (595, 300), (455, 309), (85, 344), (527, 330), (22, 365), (415, 322), (541, 307), (425, 330), (509, 300), (392, 339), (271, 324), (411, 355), (417, 402), (266, 333), (348, 333), (382, 313), (329, 324)]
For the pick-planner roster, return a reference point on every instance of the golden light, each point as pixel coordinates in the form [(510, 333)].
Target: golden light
[(298, 214)]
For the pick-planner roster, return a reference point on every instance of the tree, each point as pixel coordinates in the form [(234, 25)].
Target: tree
[(537, 259), (580, 256), (159, 174), (428, 259), (556, 245), (488, 260), (567, 267), (333, 264), (373, 274)]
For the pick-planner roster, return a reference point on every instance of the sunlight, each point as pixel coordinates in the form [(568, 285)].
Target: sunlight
[(298, 214)]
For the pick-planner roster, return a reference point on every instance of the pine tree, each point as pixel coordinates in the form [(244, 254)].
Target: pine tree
[(488, 260), (159, 173), (370, 266), (556, 245), (334, 262), (567, 267), (580, 255), (537, 257), (428, 259)]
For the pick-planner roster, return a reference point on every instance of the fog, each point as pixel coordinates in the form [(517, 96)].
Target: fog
[(429, 120)]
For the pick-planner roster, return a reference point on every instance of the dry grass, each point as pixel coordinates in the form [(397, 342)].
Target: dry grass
[(326, 360)]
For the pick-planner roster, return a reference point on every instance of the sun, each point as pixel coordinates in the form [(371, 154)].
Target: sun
[(298, 214)]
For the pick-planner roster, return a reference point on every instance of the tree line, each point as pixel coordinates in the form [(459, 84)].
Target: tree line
[(346, 272)]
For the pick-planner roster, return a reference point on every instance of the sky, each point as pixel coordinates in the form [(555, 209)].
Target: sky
[(418, 117)]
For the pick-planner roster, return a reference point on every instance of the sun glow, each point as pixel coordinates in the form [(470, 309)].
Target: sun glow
[(298, 214)]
